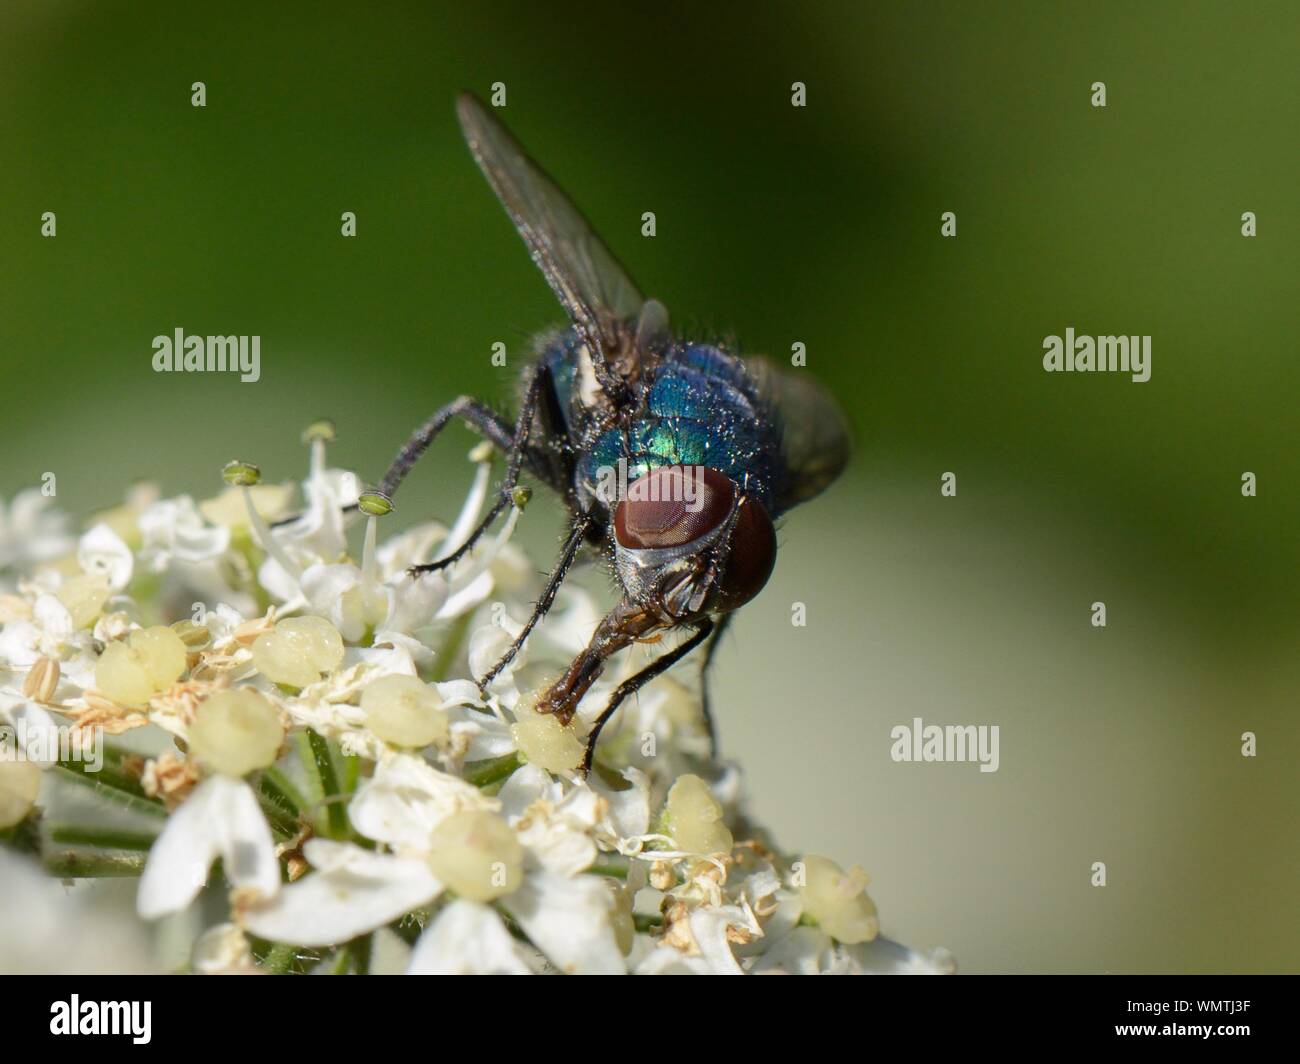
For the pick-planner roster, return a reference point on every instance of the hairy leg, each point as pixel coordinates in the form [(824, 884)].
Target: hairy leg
[(639, 680), (513, 442), (577, 534), (706, 700)]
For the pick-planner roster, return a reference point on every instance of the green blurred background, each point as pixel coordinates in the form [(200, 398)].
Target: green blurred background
[(819, 225)]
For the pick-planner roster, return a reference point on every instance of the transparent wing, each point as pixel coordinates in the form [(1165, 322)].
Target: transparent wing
[(595, 290), (815, 435)]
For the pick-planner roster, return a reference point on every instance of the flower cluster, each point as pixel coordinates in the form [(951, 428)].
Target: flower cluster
[(299, 733)]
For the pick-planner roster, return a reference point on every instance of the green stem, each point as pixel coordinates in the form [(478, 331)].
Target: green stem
[(284, 786), (104, 838), (111, 773), (491, 770), (329, 783), (615, 871), (105, 788), (80, 864), (279, 808), (450, 648), (359, 950), (351, 773)]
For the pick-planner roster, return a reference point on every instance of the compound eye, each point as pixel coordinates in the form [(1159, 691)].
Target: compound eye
[(751, 556), (673, 505)]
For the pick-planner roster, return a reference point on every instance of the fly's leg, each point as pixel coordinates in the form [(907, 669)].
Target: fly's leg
[(513, 442), (472, 412), (568, 554), (706, 701), (636, 682)]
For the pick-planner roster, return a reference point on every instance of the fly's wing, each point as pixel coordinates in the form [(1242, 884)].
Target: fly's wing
[(594, 289), (814, 432)]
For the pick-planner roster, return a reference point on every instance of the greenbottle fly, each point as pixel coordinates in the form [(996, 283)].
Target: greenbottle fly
[(673, 457)]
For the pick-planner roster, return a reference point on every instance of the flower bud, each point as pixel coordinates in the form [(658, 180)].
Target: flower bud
[(297, 650), (695, 818), (838, 902), (20, 782), (83, 596), (235, 732), (150, 660), (545, 742), (477, 855), (404, 711)]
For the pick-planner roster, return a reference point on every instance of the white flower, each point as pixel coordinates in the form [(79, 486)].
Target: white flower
[(101, 550), (50, 632), (30, 532), (221, 818), (467, 938), (353, 890), (175, 532), (487, 837)]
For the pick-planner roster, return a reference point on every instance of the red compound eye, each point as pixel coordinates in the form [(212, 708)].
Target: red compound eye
[(673, 505), (751, 557)]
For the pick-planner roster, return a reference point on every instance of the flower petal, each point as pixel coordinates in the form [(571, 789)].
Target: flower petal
[(569, 921), (221, 817), (101, 550), (467, 938), (407, 798), (351, 892)]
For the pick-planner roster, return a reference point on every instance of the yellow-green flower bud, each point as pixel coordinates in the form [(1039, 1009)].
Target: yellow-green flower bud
[(545, 742), (20, 782), (83, 596), (150, 660), (477, 855), (695, 818), (838, 901), (404, 711), (235, 732), (297, 650)]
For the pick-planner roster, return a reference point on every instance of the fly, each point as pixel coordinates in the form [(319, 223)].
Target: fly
[(672, 457)]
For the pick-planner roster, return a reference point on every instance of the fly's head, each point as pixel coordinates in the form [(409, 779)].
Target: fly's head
[(688, 542)]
